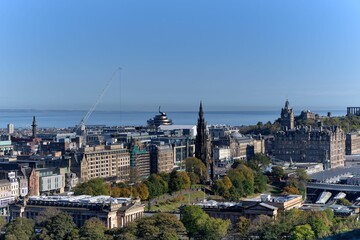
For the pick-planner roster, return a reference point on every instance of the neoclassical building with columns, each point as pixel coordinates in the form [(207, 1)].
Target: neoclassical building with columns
[(114, 212)]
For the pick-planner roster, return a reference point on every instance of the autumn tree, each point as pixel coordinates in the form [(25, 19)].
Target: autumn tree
[(142, 191), (291, 190), (93, 187), (197, 167), (242, 227)]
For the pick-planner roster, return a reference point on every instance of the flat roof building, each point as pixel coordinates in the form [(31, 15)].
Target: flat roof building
[(113, 212)]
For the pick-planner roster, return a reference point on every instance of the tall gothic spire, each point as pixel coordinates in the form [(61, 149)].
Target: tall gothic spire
[(201, 113), (201, 141)]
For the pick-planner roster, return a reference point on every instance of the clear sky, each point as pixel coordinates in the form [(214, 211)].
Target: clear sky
[(233, 55)]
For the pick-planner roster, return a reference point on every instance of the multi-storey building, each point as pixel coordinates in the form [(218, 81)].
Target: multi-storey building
[(161, 158), (221, 153), (324, 144), (108, 162), (183, 148), (6, 147), (139, 162), (114, 212), (352, 143), (10, 128), (181, 153), (45, 181)]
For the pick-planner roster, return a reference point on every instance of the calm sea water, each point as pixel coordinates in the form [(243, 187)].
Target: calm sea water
[(62, 119)]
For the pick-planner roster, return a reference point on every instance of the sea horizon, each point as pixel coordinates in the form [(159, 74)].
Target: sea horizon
[(70, 118)]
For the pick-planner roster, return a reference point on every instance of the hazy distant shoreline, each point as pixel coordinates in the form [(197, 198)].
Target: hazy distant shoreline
[(70, 118)]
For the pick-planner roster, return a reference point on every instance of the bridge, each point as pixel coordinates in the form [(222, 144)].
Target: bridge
[(334, 187)]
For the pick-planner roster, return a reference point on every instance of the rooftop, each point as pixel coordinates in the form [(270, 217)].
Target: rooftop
[(82, 199), (335, 173)]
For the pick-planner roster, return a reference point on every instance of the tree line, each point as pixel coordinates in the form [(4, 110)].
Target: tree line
[(194, 223), (295, 225), (245, 178), (54, 224), (156, 185)]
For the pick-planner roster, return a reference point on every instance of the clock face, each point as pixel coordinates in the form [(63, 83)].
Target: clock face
[(285, 115)]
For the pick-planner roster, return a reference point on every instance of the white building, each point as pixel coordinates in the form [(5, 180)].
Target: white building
[(221, 153), (14, 184), (10, 128)]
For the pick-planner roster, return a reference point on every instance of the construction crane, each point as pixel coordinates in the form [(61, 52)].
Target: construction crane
[(83, 121)]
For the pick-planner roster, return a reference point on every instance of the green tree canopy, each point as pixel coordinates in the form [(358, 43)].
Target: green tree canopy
[(175, 182), (93, 187), (60, 226), (260, 182), (156, 185), (303, 232), (258, 162), (162, 226), (200, 226), (302, 174), (196, 166), (242, 179), (344, 201), (19, 229), (93, 229), (277, 173)]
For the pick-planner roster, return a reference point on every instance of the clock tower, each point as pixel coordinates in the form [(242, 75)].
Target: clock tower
[(287, 117)]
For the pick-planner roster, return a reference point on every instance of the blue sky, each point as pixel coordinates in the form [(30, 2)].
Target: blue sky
[(233, 55)]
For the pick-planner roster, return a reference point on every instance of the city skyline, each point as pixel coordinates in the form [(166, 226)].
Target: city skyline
[(231, 55)]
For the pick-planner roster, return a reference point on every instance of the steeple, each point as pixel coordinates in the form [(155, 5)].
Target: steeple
[(34, 125), (202, 140), (201, 113)]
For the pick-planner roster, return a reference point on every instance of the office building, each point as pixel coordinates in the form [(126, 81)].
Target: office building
[(10, 128), (108, 162), (161, 158)]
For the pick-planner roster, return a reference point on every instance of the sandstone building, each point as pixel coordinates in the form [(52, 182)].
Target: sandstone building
[(108, 162), (304, 144)]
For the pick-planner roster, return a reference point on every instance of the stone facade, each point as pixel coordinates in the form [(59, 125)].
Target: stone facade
[(161, 158), (352, 143), (108, 162), (114, 212), (324, 145), (287, 117)]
